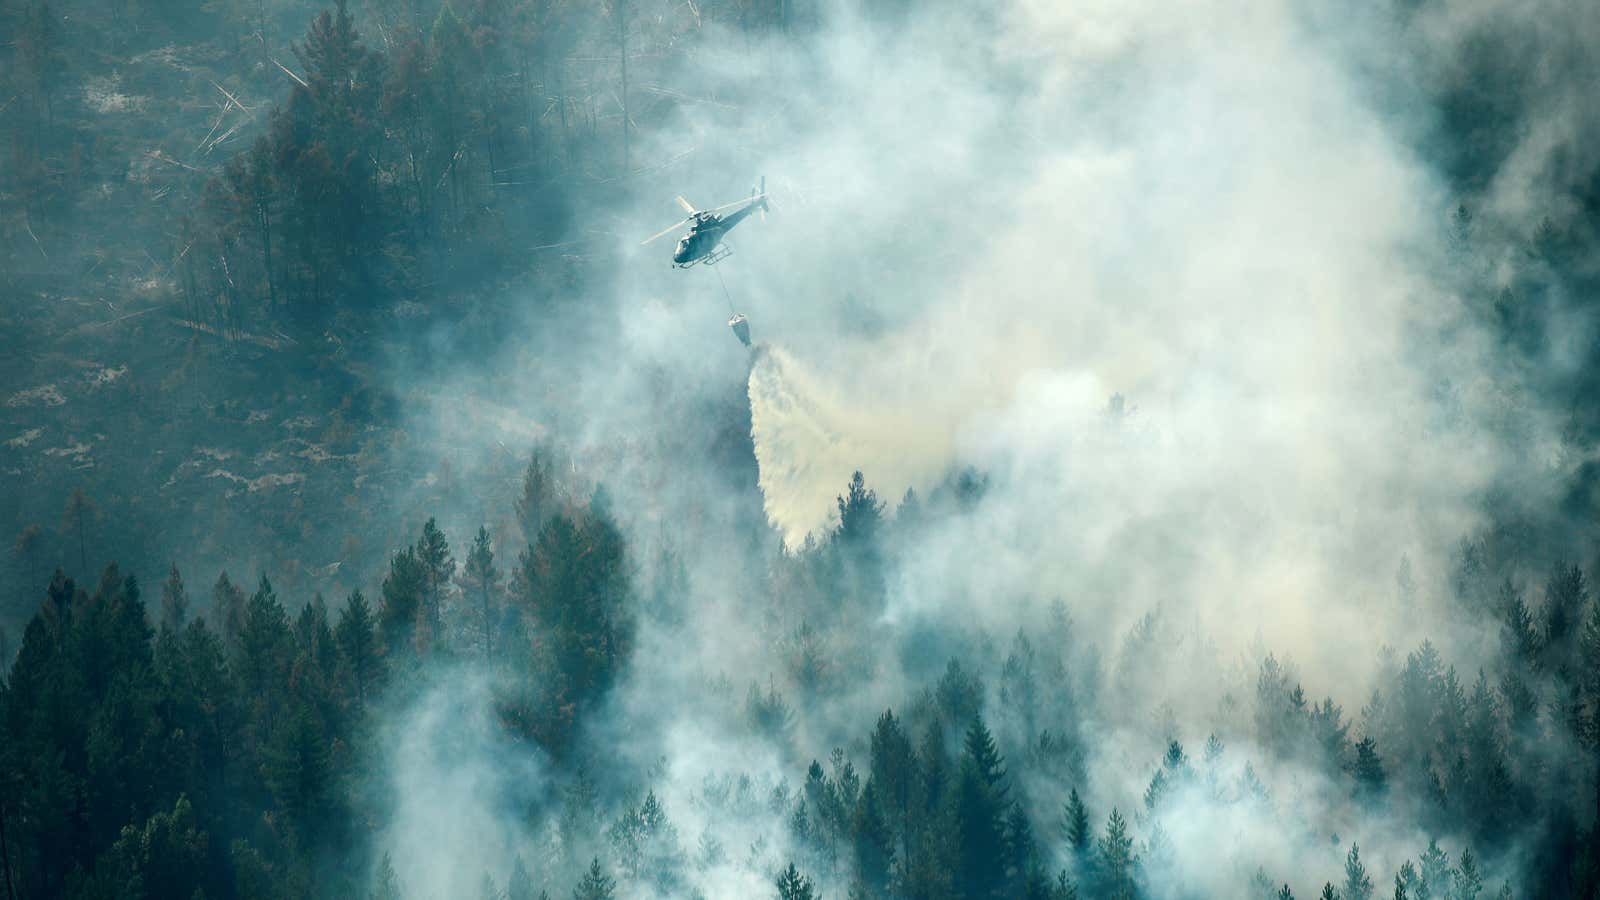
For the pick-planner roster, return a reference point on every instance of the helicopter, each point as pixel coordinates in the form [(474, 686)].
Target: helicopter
[(703, 243)]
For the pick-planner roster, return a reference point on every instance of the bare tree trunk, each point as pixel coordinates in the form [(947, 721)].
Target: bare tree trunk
[(5, 854), (488, 627), (561, 94), (266, 245), (622, 51)]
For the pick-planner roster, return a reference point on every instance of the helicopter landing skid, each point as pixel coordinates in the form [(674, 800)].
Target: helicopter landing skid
[(723, 251)]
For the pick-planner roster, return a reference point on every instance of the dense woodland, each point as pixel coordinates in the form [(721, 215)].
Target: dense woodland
[(260, 209), (220, 734), (152, 751)]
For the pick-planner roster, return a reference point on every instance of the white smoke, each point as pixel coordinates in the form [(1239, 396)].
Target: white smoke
[(811, 433)]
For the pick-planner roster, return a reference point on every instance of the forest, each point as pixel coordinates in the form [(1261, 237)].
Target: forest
[(1166, 467)]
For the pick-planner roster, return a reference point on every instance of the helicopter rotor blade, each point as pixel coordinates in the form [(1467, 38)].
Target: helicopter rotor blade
[(665, 231), (687, 206), (747, 200)]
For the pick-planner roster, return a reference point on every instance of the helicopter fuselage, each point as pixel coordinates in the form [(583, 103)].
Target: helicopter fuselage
[(700, 244)]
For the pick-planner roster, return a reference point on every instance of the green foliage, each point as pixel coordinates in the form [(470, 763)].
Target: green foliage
[(174, 601), (860, 514), (1368, 769), (386, 886), (403, 604), (577, 598), (1357, 885), (1433, 881), (1565, 595), (980, 808), (541, 495), (480, 582), (359, 649), (1467, 883), (595, 884), (1116, 858), (519, 886), (893, 773), (1075, 828), (794, 886)]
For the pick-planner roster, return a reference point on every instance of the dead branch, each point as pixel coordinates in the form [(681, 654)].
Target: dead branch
[(302, 81)]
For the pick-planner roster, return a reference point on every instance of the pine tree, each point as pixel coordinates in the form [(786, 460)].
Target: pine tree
[(873, 841), (166, 855), (75, 519), (1467, 883), (1328, 892), (227, 608), (1156, 790), (402, 605), (980, 807), (433, 554), (1116, 857), (318, 651), (1589, 663), (768, 714), (298, 770), (264, 645), (1405, 881), (1041, 886), (1565, 594), (26, 547), (1368, 769), (578, 592), (800, 827), (1020, 849), (794, 886), (1433, 882), (388, 883), (1517, 624), (959, 694), (860, 513), (479, 581), (540, 494), (1176, 762), (1357, 886), (578, 802), (893, 771), (326, 140), (1330, 733), (981, 751), (358, 645), (596, 884), (1488, 785), (1075, 825), (1020, 684), (519, 886), (174, 601), (935, 770)]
